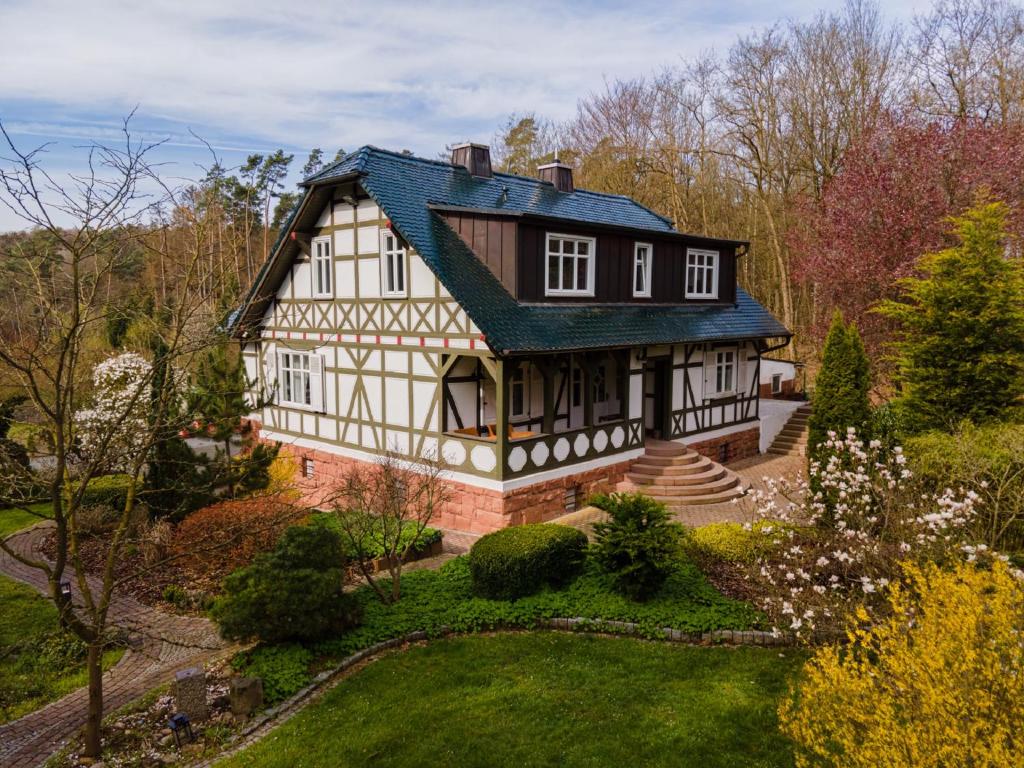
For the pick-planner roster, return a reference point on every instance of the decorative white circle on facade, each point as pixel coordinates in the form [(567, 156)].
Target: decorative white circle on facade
[(581, 445), (561, 449), (618, 435), (540, 454), (454, 453), (600, 441), (517, 458), (483, 458)]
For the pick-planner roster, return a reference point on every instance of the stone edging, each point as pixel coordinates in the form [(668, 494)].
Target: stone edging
[(260, 725)]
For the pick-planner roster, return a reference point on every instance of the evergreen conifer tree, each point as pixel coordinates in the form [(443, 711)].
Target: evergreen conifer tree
[(841, 387), (961, 345)]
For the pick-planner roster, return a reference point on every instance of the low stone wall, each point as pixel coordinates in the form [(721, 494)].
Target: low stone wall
[(738, 445), (469, 507)]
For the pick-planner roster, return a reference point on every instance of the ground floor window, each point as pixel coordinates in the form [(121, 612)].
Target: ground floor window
[(294, 379), (776, 383)]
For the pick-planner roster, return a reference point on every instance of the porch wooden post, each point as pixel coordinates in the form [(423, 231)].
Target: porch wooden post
[(548, 370), (624, 379), (588, 392), (501, 384)]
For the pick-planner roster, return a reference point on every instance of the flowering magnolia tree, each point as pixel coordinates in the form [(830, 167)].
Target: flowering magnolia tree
[(116, 421), (842, 543)]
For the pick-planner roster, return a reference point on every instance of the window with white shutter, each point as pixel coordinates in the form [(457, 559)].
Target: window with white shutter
[(721, 372), (300, 380)]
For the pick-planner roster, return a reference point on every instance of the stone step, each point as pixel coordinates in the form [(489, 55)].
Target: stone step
[(671, 492), (672, 470), (798, 450), (789, 431), (664, 448), (714, 472), (678, 460), (711, 498), (789, 440)]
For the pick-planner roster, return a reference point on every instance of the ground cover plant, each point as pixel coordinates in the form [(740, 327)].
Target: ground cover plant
[(544, 699), (435, 601), (14, 519)]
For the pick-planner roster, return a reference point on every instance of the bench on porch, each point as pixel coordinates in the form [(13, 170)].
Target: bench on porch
[(489, 431)]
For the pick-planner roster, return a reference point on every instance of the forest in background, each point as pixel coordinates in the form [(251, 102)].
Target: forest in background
[(838, 147)]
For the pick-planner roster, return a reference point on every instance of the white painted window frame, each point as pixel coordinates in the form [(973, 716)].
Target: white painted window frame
[(591, 258), (321, 265), (310, 379), (396, 258), (647, 270), (714, 361), (776, 384), (715, 265)]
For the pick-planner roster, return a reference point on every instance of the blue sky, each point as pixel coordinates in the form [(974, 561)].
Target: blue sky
[(254, 75)]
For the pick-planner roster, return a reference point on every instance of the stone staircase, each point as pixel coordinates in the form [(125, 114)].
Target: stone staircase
[(792, 440), (680, 477)]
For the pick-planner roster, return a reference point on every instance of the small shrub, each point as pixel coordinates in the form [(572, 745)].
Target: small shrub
[(95, 519), (639, 544), (987, 460), (732, 542), (515, 562), (107, 491), (176, 596), (284, 669), (61, 651), (221, 538), (374, 547), (293, 593)]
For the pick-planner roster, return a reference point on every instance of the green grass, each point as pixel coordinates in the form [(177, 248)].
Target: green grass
[(544, 699), (35, 674), (12, 520)]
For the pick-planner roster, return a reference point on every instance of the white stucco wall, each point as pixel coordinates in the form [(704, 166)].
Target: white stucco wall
[(773, 416)]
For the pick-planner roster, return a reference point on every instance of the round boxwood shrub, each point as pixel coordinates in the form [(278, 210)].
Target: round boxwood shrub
[(515, 562)]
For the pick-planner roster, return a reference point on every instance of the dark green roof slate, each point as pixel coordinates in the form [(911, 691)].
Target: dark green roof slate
[(407, 189)]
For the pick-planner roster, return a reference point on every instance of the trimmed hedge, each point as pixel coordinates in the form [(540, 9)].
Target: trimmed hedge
[(108, 490), (732, 542), (515, 562)]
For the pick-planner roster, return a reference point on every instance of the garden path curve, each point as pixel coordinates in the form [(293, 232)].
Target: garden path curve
[(161, 644)]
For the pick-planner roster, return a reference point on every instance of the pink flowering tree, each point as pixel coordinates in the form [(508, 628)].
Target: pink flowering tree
[(843, 543)]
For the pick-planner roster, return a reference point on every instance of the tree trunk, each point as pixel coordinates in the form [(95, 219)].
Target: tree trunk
[(94, 716)]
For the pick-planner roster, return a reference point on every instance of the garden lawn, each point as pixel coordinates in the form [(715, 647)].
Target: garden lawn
[(540, 699), (12, 520), (35, 667)]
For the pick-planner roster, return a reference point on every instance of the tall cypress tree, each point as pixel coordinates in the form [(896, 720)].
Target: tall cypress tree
[(961, 343), (841, 387)]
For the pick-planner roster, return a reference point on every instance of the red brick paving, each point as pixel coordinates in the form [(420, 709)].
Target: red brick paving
[(168, 643)]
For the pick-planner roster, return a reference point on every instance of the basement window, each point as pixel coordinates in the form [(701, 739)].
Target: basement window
[(776, 383), (307, 468)]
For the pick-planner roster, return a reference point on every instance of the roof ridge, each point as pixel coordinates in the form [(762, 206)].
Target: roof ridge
[(331, 166)]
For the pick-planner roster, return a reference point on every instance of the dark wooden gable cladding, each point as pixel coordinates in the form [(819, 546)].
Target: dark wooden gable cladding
[(492, 239), (613, 274)]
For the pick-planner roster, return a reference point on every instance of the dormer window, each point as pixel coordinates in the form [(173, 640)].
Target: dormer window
[(321, 248), (701, 274), (642, 270), (570, 265), (392, 266)]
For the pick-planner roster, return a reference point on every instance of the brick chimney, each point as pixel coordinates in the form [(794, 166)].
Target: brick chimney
[(557, 173), (475, 158)]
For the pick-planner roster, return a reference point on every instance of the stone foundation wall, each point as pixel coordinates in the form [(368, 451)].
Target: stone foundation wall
[(738, 445), (469, 507)]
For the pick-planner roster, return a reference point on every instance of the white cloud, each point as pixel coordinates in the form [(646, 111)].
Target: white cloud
[(299, 74)]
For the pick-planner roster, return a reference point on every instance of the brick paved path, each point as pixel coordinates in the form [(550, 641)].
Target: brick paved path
[(163, 644), (751, 471)]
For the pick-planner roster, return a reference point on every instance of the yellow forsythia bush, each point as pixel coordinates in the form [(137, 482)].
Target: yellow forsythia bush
[(938, 683), (283, 471)]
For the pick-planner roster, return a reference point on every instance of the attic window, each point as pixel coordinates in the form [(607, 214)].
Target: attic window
[(570, 265), (642, 270), (392, 266), (701, 274), (321, 247)]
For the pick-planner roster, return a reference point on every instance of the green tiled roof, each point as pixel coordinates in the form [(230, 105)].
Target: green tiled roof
[(408, 187)]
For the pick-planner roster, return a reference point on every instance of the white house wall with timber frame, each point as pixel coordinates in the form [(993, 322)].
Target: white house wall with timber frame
[(534, 336)]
